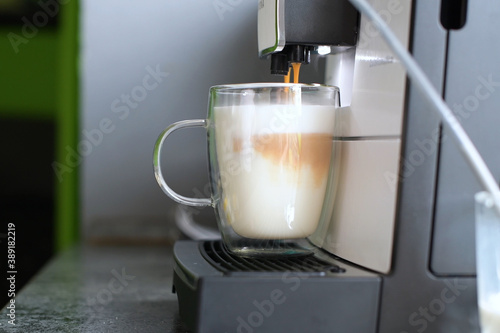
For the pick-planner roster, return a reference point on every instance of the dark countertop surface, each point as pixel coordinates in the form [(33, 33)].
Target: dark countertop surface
[(100, 289)]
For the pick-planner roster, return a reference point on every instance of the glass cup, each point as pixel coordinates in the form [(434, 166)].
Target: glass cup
[(488, 262), (271, 156)]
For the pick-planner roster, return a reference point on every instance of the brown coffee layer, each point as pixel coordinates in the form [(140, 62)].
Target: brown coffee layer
[(293, 151)]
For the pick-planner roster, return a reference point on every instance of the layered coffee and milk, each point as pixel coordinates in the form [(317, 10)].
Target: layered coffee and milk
[(274, 164)]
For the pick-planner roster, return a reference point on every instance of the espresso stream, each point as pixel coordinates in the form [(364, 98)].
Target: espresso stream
[(296, 71)]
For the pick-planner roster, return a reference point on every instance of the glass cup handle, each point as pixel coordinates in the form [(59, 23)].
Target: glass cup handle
[(198, 202)]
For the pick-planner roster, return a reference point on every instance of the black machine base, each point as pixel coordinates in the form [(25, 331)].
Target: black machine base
[(220, 292)]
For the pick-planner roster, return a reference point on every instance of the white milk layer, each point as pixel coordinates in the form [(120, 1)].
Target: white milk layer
[(489, 312), (274, 163)]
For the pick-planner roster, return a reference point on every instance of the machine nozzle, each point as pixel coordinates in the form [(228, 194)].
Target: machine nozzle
[(300, 54), (279, 64), (280, 61)]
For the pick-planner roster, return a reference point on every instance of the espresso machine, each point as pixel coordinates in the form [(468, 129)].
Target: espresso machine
[(398, 254)]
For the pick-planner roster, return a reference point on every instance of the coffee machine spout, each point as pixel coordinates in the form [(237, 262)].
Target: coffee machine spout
[(288, 31), (280, 61)]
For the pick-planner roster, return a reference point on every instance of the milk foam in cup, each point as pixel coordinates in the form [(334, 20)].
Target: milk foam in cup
[(271, 154), (274, 161)]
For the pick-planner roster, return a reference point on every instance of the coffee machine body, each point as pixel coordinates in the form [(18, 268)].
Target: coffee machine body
[(402, 227)]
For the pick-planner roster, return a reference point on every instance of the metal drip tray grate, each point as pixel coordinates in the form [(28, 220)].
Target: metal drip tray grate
[(219, 257)]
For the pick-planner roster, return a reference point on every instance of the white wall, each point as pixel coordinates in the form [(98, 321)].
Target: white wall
[(196, 44)]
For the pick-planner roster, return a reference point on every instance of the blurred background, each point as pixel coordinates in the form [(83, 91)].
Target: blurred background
[(86, 88)]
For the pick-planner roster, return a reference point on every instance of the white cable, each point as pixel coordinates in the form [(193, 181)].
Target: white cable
[(418, 78)]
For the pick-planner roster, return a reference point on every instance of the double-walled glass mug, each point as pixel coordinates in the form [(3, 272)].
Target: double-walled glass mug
[(271, 157)]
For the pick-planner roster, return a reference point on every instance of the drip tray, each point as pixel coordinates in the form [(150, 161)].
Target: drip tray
[(230, 264), (220, 292)]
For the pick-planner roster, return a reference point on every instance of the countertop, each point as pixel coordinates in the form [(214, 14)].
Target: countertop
[(100, 289)]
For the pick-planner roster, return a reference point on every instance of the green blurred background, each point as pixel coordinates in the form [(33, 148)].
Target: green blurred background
[(38, 118)]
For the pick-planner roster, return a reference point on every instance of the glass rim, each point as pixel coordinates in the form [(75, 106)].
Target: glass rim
[(260, 85)]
